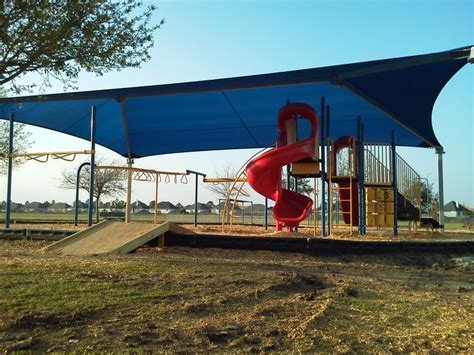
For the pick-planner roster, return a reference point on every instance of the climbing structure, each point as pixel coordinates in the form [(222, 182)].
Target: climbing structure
[(264, 172)]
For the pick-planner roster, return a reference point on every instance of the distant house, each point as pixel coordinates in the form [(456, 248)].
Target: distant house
[(455, 210), (139, 207), (117, 206), (16, 207), (105, 206), (34, 207), (164, 207), (82, 206), (258, 208), (201, 207), (60, 207)]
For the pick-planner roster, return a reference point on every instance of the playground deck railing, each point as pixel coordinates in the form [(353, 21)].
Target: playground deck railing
[(378, 171)]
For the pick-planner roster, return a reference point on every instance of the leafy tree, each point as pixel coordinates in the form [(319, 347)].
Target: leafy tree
[(21, 142), (304, 185), (429, 198), (107, 182), (58, 39)]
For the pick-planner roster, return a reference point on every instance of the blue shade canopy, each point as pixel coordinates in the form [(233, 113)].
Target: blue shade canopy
[(392, 94)]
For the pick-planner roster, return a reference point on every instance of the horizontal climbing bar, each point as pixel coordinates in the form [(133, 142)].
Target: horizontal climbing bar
[(217, 180), (43, 157), (149, 171)]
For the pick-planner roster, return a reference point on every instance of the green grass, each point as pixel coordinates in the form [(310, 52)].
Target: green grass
[(233, 301)]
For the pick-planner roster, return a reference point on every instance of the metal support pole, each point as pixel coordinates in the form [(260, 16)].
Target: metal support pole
[(265, 216), (195, 193), (440, 152), (394, 184), (128, 202), (360, 181), (323, 168), (362, 176), (9, 172), (328, 114), (92, 169), (76, 205)]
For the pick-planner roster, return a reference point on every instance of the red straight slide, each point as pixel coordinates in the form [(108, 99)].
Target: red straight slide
[(264, 172)]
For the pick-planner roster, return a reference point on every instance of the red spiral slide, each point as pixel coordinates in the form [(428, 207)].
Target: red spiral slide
[(264, 172)]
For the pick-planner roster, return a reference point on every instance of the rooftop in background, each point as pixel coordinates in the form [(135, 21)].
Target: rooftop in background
[(392, 94)]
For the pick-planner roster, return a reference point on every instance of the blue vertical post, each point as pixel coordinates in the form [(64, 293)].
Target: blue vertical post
[(9, 172), (362, 176), (360, 180), (394, 184), (265, 217), (92, 168), (76, 205), (323, 168), (328, 115)]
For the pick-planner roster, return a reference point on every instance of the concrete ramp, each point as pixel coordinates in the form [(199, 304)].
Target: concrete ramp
[(109, 237)]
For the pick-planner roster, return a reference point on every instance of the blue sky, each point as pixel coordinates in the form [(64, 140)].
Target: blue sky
[(215, 39)]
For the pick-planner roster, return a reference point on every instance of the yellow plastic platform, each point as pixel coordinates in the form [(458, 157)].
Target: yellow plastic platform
[(109, 237)]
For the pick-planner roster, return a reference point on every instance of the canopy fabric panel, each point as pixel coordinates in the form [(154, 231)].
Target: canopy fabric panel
[(393, 94)]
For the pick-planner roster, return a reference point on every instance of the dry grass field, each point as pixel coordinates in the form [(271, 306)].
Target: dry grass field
[(184, 299)]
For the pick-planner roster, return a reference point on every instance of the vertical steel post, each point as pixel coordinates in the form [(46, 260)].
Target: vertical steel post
[(92, 168), (9, 172), (362, 175), (128, 202), (323, 168), (328, 114), (394, 184), (265, 216), (195, 200), (440, 152), (360, 181), (76, 206), (196, 174)]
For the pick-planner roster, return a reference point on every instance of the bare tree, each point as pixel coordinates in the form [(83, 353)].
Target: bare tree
[(223, 189), (107, 182)]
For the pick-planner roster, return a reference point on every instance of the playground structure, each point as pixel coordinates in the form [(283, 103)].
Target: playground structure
[(366, 199), (378, 117)]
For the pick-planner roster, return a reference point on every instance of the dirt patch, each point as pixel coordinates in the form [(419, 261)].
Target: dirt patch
[(199, 300)]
